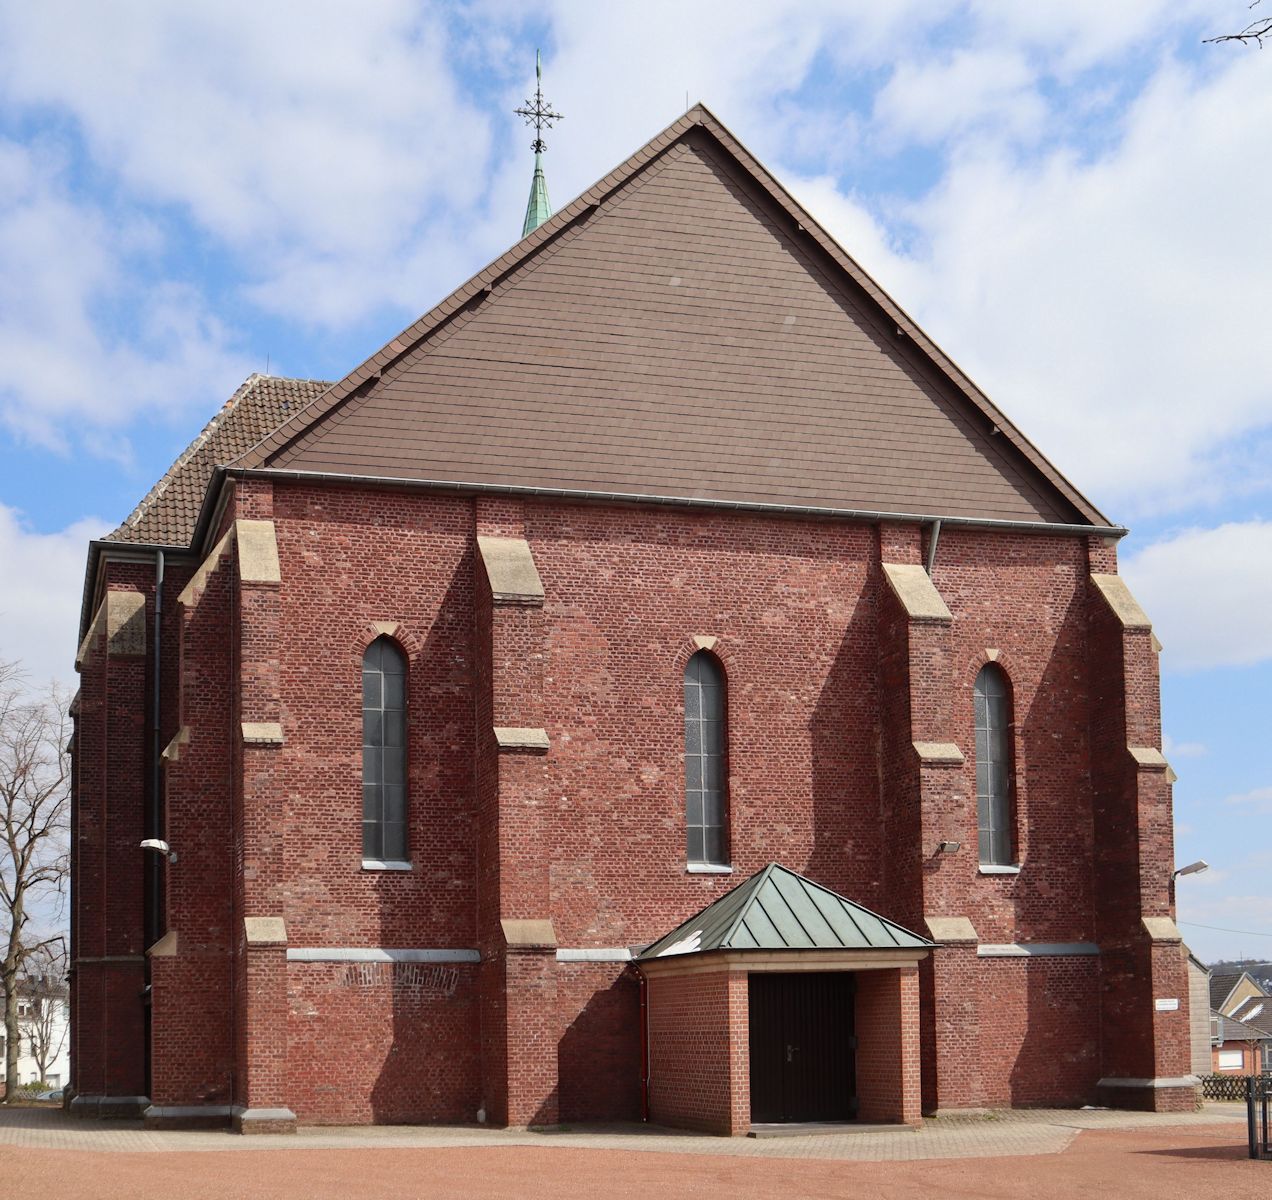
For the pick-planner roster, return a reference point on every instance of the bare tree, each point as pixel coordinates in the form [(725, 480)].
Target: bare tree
[(34, 831), (42, 984), (1255, 32)]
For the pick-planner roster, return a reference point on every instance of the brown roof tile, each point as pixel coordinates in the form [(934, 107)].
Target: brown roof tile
[(683, 329), (167, 514)]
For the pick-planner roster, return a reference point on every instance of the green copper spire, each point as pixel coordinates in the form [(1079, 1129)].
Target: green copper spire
[(538, 113), (539, 208)]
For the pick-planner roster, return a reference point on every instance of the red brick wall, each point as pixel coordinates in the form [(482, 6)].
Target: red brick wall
[(1039, 1030), (598, 1042), (886, 1022), (383, 1042), (690, 1058), (822, 777)]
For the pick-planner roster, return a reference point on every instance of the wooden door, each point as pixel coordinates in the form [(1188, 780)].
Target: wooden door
[(802, 1047)]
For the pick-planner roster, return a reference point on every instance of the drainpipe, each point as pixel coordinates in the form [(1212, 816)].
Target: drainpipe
[(933, 538), (644, 1044), (155, 816)]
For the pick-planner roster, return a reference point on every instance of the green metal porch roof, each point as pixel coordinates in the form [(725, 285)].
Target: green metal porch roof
[(776, 909)]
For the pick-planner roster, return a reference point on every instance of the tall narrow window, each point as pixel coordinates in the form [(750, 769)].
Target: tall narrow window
[(705, 792), (994, 767), (384, 752)]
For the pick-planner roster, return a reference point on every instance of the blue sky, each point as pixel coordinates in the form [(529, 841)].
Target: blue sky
[(1070, 196)]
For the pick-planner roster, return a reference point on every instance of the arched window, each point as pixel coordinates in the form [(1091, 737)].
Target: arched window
[(705, 790), (994, 807), (384, 752)]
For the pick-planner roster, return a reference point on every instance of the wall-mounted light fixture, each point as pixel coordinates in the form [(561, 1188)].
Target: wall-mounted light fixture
[(1191, 869), (948, 847), (160, 847)]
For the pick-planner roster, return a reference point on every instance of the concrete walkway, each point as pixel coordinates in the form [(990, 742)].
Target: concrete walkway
[(998, 1134)]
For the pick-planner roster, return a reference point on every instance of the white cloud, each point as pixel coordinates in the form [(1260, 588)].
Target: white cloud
[(1220, 618), (1259, 799), (927, 102), (1176, 750), (318, 131), (86, 344), (1116, 307), (40, 590)]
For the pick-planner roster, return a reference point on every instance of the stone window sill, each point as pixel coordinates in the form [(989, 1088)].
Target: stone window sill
[(384, 864), (696, 868), (999, 869)]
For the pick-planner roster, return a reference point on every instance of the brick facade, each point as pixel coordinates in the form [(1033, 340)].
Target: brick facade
[(831, 682)]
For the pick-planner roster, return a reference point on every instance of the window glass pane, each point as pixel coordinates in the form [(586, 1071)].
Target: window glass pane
[(985, 847), (695, 844), (713, 702), (713, 772), (712, 808), (693, 701), (693, 808), (383, 770), (714, 847), (395, 729), (712, 737), (693, 737), (693, 772), (395, 841)]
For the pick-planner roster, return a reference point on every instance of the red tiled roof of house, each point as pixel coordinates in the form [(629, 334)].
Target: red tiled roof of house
[(169, 511)]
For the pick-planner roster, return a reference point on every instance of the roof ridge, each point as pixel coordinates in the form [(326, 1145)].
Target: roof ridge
[(756, 882)]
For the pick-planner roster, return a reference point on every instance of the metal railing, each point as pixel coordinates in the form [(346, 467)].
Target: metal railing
[(1258, 1101)]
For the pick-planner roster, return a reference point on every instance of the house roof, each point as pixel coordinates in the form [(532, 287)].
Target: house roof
[(776, 909), (1256, 1011), (168, 513), (681, 331), (1222, 986), (1232, 1030)]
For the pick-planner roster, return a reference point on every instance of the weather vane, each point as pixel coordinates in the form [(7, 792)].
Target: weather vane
[(538, 112)]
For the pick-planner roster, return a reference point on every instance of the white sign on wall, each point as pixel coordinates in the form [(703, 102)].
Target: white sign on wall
[(1165, 1005)]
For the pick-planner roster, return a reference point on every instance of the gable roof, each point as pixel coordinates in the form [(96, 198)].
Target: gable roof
[(168, 513), (1255, 1011), (1222, 987), (681, 331), (776, 909), (1230, 1029)]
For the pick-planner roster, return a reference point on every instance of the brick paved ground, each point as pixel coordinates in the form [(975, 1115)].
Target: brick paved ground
[(1038, 1154)]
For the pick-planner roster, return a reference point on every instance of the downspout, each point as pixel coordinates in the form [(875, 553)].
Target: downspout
[(155, 819), (644, 1043), (933, 538), (155, 863)]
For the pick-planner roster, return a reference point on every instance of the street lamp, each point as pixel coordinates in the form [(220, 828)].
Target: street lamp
[(1195, 868)]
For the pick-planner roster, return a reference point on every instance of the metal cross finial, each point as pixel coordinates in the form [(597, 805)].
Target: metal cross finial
[(538, 112)]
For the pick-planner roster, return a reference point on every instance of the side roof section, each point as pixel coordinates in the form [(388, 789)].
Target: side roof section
[(754, 382), (167, 514)]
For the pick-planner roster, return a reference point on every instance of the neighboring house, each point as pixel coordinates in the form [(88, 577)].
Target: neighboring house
[(1230, 990), (665, 586), (1239, 1047), (43, 1034), (1241, 1024)]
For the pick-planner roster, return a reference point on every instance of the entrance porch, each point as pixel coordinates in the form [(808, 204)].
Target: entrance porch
[(783, 1003)]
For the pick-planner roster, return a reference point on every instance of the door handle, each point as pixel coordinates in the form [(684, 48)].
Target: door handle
[(790, 1053)]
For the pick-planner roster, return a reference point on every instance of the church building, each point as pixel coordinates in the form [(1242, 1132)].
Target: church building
[(658, 684)]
